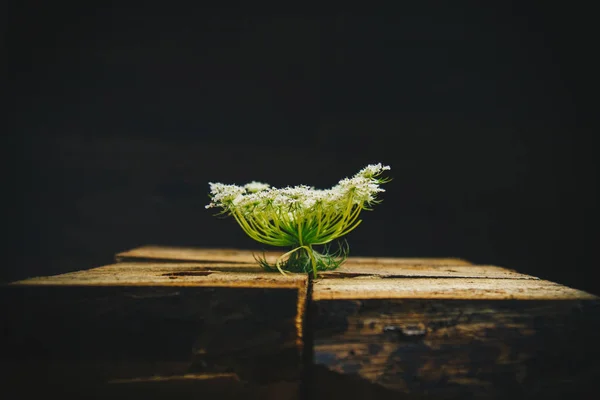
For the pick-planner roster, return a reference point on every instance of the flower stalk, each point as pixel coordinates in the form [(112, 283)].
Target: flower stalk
[(301, 217)]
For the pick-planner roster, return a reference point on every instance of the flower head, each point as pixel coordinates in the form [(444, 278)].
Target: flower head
[(300, 216), (254, 187)]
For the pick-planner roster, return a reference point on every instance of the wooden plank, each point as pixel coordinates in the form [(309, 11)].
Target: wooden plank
[(451, 288), (198, 254), (452, 338), (407, 261), (155, 272), (171, 275), (133, 321), (232, 260), (401, 270), (214, 322), (193, 254)]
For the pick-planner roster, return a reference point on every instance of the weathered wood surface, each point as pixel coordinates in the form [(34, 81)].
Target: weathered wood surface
[(191, 254), (167, 321), (171, 275), (401, 270), (453, 338), (199, 254), (444, 288), (233, 260), (130, 322)]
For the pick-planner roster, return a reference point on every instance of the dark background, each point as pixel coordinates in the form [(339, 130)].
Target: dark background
[(123, 115)]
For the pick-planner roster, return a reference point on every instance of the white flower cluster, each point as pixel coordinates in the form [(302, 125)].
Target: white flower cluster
[(259, 197)]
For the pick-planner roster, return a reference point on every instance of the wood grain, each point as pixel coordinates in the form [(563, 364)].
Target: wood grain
[(171, 275), (444, 288), (452, 338), (194, 254), (184, 321), (199, 254), (401, 270), (131, 321)]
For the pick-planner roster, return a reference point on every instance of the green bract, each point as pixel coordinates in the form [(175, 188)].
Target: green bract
[(301, 217)]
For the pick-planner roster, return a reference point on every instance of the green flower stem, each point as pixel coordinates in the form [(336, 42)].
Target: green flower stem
[(309, 250), (312, 260)]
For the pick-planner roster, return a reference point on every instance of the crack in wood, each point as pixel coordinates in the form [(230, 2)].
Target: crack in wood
[(188, 273)]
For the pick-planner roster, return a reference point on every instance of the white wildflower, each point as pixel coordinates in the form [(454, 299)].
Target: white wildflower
[(223, 194), (300, 216), (254, 186), (373, 170)]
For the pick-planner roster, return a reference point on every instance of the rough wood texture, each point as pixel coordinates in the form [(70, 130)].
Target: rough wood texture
[(453, 338), (401, 270), (181, 321), (232, 260), (444, 288), (190, 254), (171, 275), (131, 321), (198, 254)]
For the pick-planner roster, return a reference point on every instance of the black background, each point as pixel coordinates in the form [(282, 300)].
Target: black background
[(123, 115)]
